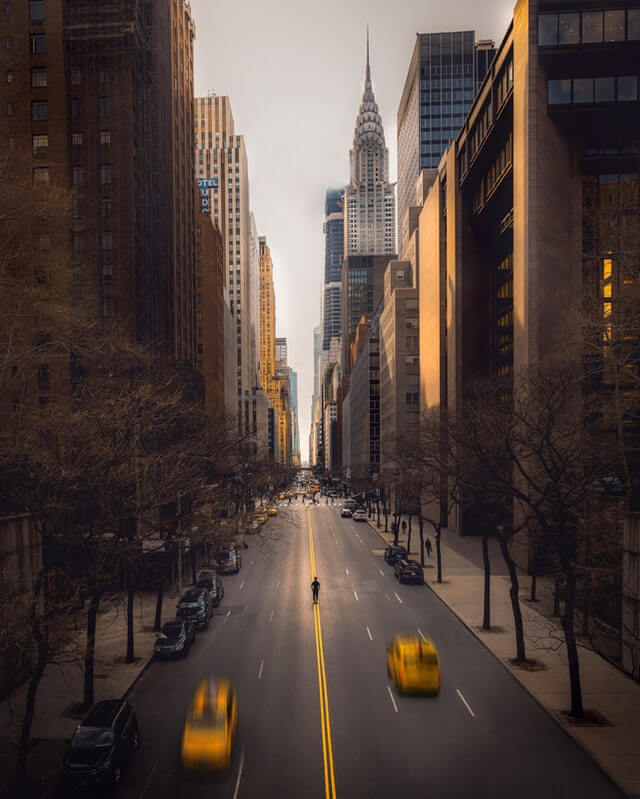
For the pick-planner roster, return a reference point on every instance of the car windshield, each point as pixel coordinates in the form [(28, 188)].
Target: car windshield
[(228, 556), (91, 737), (172, 630), (207, 717)]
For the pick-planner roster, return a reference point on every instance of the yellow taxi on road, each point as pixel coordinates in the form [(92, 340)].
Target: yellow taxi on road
[(210, 728), (261, 516), (413, 665), (281, 496), (272, 511)]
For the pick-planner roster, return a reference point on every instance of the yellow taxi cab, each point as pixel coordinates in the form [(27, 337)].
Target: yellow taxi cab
[(281, 496), (261, 516), (211, 726), (413, 665), (272, 511)]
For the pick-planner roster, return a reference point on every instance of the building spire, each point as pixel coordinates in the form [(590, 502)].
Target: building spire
[(368, 73)]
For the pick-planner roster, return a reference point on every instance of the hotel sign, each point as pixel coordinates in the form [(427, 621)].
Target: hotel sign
[(204, 184)]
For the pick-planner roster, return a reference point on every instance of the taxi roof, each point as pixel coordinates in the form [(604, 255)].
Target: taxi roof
[(211, 694)]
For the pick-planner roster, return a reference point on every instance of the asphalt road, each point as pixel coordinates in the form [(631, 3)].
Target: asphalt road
[(483, 736)]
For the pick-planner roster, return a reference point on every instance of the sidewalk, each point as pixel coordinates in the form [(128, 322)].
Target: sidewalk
[(607, 690), (61, 687)]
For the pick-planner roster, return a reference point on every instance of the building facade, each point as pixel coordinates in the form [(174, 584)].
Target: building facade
[(445, 71), (369, 200)]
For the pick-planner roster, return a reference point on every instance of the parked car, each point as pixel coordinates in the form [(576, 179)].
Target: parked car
[(413, 665), (393, 552), (229, 561), (196, 606), (211, 726), (175, 639), (102, 745), (408, 571), (359, 515), (209, 579), (346, 513), (351, 504)]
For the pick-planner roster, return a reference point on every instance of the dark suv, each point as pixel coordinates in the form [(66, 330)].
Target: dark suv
[(394, 552), (409, 571), (209, 579), (101, 745), (196, 606), (229, 561)]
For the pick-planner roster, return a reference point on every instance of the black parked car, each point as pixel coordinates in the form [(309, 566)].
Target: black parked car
[(393, 552), (409, 571), (229, 561), (175, 639), (195, 606), (101, 745), (209, 579)]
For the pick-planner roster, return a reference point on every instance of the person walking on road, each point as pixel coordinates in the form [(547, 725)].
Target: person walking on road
[(315, 590), (427, 545)]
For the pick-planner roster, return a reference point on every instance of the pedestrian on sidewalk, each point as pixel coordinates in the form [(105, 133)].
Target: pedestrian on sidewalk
[(427, 545), (404, 527)]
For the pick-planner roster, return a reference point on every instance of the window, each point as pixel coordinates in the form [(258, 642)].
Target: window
[(38, 43), (9, 76), (8, 9), (75, 108), (40, 144), (583, 90), (43, 376), (38, 77), (614, 26), (592, 26), (568, 28), (78, 176), (11, 109), (107, 241), (105, 174), (76, 77), (559, 92), (76, 138), (605, 90), (412, 397), (41, 174), (8, 43), (105, 137), (36, 9), (105, 206), (103, 106), (633, 24), (627, 88)]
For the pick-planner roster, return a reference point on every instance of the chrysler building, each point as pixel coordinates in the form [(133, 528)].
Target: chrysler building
[(369, 204)]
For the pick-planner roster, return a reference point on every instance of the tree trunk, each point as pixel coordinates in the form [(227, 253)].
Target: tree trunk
[(556, 597), (421, 528), (409, 536), (438, 535), (533, 597), (157, 622), (194, 562), (42, 644), (514, 593), (88, 697), (568, 625), (130, 640), (486, 613)]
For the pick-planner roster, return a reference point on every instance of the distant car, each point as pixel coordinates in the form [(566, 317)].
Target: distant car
[(351, 504), (210, 727), (413, 665), (359, 515), (280, 496), (175, 639), (229, 561), (408, 571), (346, 513), (102, 745), (196, 606), (272, 511), (394, 552), (209, 579)]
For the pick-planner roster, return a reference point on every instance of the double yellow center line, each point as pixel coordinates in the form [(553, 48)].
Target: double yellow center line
[(325, 720)]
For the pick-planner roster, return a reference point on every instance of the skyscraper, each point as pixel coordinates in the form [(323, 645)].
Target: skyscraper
[(369, 212), (445, 72), (221, 154), (333, 259)]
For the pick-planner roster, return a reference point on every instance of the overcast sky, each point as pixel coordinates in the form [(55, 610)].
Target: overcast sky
[(294, 70)]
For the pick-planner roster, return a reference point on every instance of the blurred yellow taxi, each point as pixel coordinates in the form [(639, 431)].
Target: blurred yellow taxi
[(272, 511), (413, 665), (281, 496), (210, 728), (261, 516)]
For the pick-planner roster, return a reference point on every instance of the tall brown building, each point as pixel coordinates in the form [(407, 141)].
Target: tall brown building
[(99, 97)]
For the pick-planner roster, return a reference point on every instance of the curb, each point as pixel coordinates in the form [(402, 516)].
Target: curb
[(143, 670), (513, 676)]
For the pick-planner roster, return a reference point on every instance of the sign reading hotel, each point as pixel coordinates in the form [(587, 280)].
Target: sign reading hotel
[(204, 184)]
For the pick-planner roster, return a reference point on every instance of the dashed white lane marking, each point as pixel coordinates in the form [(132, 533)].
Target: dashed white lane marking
[(355, 595), (226, 617), (261, 667), (391, 697), (397, 597), (277, 583), (369, 634), (388, 597), (242, 585), (252, 562), (149, 778), (347, 571), (422, 635), (237, 788), (381, 572), (466, 704), (271, 617)]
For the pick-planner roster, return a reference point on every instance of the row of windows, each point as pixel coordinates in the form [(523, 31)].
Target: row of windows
[(589, 27), (490, 179), (622, 89)]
